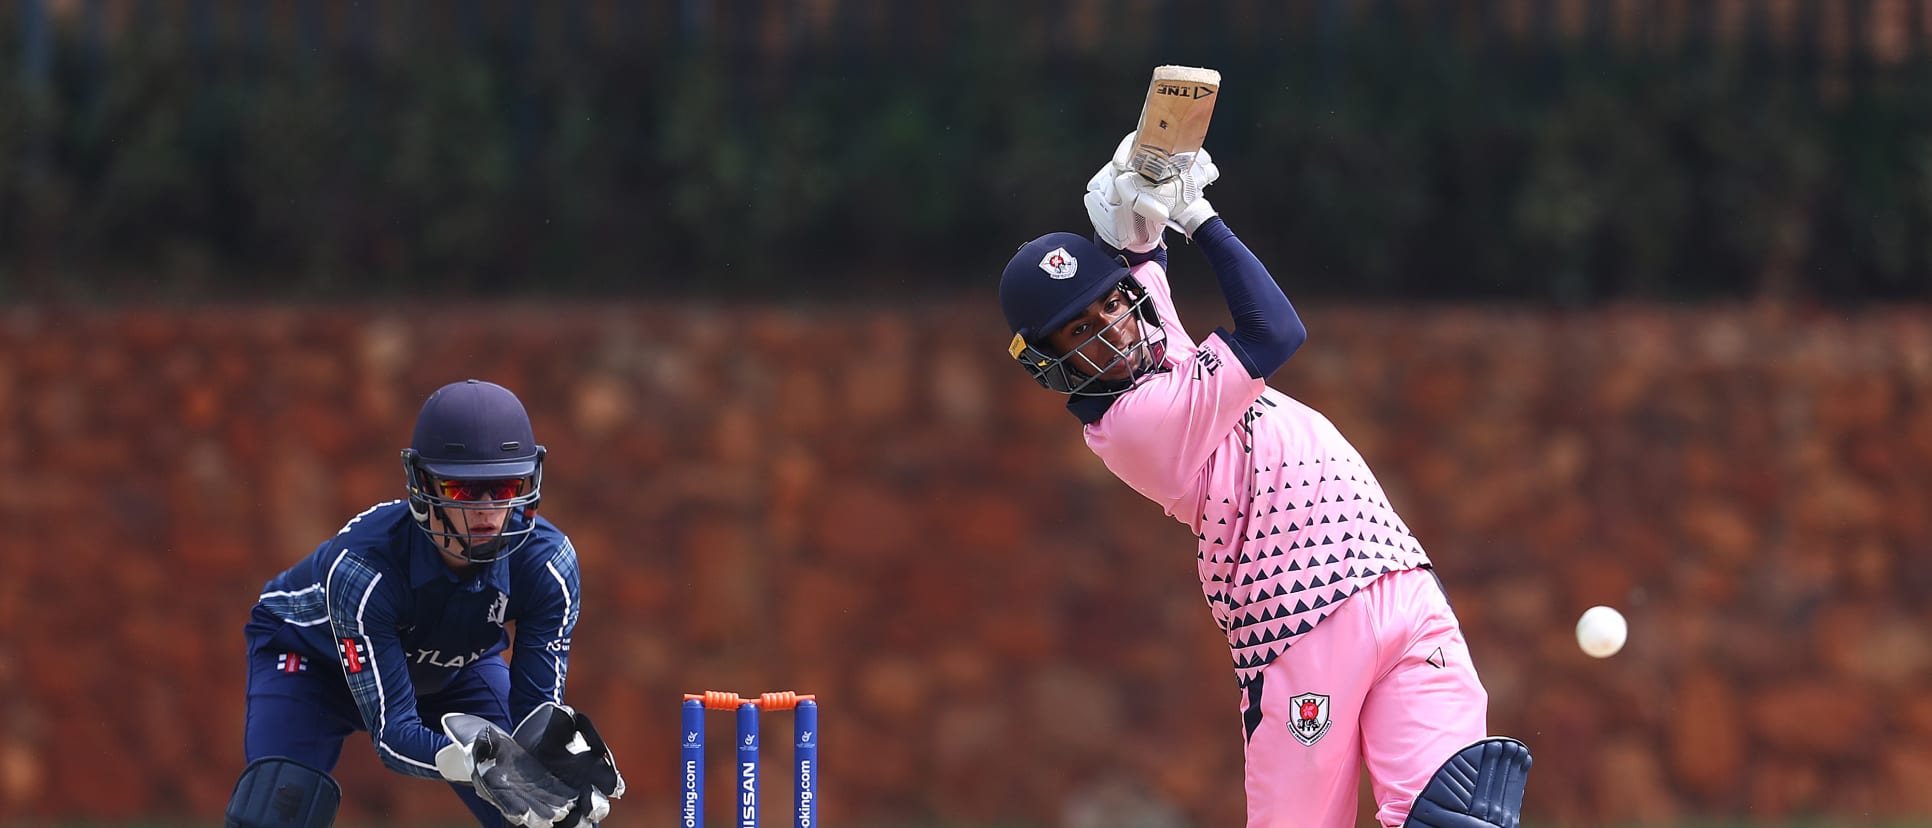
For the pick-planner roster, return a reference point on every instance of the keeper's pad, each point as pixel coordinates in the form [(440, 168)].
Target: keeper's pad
[(277, 792), (1479, 787)]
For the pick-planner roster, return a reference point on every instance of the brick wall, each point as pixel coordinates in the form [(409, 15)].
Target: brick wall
[(874, 507)]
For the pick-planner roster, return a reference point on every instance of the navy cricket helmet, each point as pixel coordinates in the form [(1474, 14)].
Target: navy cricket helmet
[(473, 450), (1049, 282)]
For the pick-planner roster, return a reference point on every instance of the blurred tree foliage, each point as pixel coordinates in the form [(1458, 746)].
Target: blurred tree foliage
[(1369, 158)]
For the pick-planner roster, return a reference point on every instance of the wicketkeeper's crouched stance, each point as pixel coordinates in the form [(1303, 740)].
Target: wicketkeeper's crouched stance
[(1345, 648), (553, 771), (397, 625)]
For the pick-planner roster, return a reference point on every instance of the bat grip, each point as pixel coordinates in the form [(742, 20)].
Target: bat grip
[(1154, 167)]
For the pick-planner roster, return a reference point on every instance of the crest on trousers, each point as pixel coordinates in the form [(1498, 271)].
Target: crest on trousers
[(1308, 717), (1059, 264)]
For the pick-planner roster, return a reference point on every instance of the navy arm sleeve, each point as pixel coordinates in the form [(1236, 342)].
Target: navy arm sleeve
[(546, 619), (1266, 329), (361, 611)]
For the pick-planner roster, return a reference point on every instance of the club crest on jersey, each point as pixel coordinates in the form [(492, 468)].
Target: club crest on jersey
[(1059, 264), (1308, 717), (498, 608)]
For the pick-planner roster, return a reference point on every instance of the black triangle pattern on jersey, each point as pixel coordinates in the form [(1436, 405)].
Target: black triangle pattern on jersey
[(1331, 558), (1319, 603), (1339, 595), (1328, 541), (1333, 577), (1301, 606), (1294, 565), (1296, 588)]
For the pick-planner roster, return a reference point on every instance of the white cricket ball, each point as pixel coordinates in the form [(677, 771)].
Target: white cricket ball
[(1601, 631)]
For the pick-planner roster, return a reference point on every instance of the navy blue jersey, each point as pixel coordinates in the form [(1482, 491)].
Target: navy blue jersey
[(378, 599)]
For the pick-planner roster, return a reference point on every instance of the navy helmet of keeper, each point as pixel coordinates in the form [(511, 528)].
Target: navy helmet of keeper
[(1052, 280), (473, 449)]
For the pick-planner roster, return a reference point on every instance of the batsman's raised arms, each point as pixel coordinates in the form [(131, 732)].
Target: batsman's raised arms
[(1174, 119)]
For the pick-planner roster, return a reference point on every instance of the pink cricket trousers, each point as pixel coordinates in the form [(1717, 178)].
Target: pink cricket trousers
[(1385, 682)]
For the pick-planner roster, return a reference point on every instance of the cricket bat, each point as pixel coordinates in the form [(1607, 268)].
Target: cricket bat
[(1174, 120)]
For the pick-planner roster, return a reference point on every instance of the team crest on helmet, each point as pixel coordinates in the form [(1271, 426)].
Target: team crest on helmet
[(1308, 717), (1059, 264)]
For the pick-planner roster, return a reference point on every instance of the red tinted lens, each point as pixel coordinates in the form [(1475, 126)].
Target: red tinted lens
[(473, 490)]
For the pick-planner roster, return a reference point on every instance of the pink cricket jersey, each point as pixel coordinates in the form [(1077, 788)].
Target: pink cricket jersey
[(1290, 520)]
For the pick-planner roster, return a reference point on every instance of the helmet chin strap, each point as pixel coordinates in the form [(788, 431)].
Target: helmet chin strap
[(461, 538)]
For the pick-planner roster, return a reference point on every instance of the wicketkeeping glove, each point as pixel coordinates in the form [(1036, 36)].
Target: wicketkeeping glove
[(504, 772), (568, 745)]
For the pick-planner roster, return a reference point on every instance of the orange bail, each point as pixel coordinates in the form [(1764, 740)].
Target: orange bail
[(721, 700)]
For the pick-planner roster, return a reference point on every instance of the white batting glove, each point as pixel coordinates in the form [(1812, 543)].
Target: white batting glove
[(1178, 201), (1123, 223)]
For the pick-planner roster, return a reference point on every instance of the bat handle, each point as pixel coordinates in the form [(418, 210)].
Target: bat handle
[(1153, 166)]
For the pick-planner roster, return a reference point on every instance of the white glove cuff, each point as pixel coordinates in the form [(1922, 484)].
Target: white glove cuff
[(454, 763), (1191, 217)]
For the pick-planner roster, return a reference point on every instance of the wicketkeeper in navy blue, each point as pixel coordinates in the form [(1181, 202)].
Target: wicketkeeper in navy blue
[(397, 626)]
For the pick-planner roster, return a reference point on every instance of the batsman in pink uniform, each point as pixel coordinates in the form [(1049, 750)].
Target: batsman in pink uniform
[(1345, 649)]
